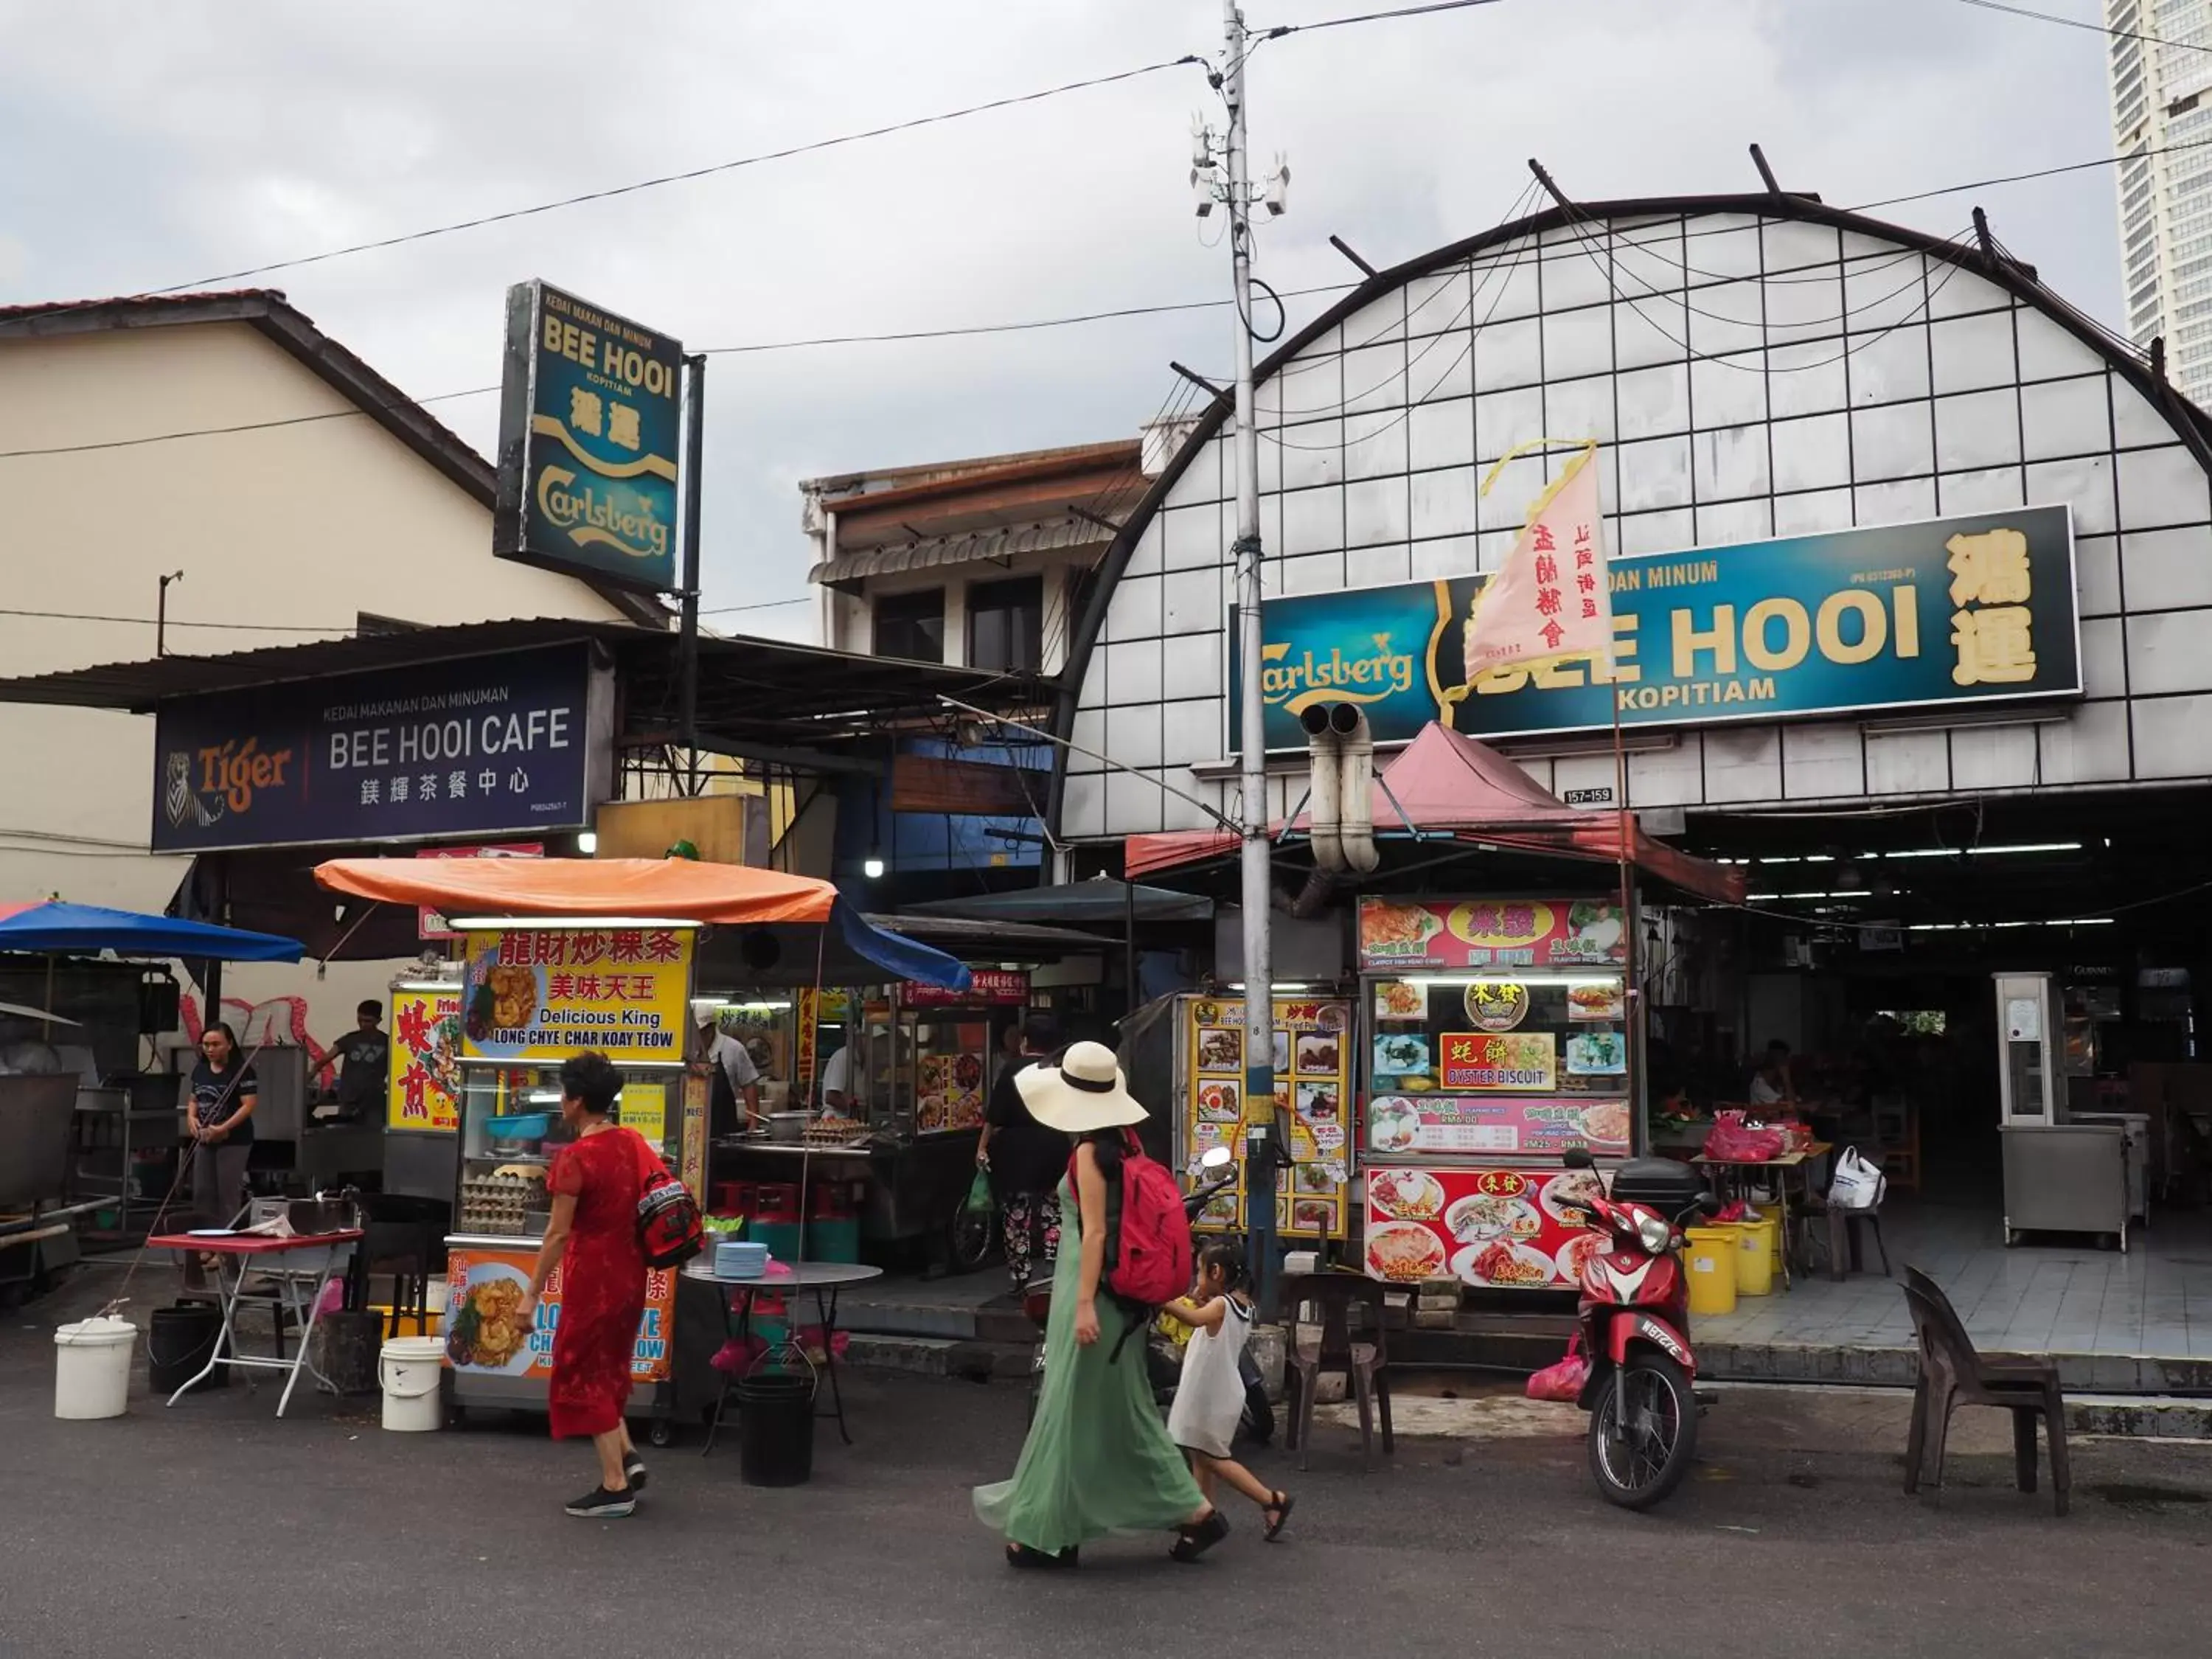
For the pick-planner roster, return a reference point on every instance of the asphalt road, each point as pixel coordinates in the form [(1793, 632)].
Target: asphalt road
[(214, 1529)]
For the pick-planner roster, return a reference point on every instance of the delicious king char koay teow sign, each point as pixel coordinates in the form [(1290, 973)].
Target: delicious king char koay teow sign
[(484, 746), (1973, 609), (588, 430)]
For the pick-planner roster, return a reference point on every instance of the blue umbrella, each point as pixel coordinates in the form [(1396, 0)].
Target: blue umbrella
[(54, 927)]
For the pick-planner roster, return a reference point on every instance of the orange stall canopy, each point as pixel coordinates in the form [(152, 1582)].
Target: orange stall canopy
[(675, 889)]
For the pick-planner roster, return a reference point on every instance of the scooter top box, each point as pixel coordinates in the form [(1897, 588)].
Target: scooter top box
[(1660, 1183)]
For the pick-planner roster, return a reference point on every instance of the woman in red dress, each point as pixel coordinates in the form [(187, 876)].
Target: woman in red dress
[(592, 1239)]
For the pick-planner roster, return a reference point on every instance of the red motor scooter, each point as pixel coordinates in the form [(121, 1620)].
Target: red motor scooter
[(1635, 1318)]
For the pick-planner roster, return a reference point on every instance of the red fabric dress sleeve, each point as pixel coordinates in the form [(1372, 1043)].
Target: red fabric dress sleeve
[(567, 1175)]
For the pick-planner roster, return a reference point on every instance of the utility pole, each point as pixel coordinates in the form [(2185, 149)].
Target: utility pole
[(1262, 1125), (687, 638)]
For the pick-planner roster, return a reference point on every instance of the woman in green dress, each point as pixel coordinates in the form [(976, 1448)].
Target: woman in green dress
[(1099, 1460)]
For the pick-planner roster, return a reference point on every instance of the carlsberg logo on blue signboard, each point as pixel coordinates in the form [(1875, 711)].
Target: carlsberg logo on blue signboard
[(589, 424), (1963, 610)]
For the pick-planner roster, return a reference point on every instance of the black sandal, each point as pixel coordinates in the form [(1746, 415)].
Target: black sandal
[(1278, 1513), (1022, 1556), (1195, 1538)]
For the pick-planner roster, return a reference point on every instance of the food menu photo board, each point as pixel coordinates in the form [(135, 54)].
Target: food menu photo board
[(1312, 1063), (1484, 1224), (492, 1327), (1490, 933), (1409, 1125), (1496, 1027), (949, 1072)]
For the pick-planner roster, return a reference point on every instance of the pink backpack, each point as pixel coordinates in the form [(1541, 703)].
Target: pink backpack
[(1148, 1253)]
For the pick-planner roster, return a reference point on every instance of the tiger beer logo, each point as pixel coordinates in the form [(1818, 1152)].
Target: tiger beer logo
[(202, 786)]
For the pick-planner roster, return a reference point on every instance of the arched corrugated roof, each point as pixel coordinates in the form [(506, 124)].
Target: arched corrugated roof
[(2191, 424)]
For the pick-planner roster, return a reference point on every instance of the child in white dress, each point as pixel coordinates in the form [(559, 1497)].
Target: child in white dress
[(1210, 1400)]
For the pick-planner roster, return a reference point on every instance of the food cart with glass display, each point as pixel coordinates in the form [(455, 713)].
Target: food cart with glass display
[(903, 1146), (1313, 1068), (1497, 1033), (533, 994)]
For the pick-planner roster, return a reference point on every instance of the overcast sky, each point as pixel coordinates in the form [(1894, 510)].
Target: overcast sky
[(145, 145)]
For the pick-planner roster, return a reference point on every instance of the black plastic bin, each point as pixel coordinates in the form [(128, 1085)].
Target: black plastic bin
[(775, 1428), (179, 1340)]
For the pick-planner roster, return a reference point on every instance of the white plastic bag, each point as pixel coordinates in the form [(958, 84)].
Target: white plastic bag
[(1859, 1184)]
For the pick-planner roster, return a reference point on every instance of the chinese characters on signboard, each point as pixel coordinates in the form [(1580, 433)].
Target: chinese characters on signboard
[(539, 995), (1526, 1060), (992, 987), (590, 418), (426, 1052)]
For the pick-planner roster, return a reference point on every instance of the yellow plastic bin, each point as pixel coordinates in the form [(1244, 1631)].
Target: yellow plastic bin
[(1709, 1255), (1754, 1259)]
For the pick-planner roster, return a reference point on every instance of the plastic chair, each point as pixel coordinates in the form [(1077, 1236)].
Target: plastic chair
[(1842, 1230), (1954, 1374), (1897, 1129), (1364, 1365)]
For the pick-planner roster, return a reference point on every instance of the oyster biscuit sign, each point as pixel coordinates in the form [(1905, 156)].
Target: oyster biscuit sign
[(590, 421)]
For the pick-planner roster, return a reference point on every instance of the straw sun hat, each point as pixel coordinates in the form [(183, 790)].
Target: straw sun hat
[(1084, 1093)]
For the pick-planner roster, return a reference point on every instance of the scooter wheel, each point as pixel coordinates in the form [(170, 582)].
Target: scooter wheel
[(1642, 1431)]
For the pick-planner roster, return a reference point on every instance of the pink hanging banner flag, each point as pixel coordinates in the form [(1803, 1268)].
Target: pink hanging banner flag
[(1550, 600)]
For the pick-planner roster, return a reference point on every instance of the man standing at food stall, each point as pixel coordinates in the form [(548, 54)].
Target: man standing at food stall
[(363, 1056), (1025, 1160), (736, 1077)]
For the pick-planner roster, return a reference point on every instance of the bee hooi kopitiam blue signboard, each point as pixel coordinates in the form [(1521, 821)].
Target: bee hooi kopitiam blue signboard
[(1967, 610)]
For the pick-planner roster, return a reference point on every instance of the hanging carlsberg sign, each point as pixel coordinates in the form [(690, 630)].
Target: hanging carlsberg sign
[(590, 419)]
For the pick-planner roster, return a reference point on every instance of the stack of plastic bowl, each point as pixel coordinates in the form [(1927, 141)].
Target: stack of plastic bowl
[(735, 1258)]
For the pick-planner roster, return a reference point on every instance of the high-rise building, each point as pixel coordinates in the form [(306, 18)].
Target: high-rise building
[(2162, 133)]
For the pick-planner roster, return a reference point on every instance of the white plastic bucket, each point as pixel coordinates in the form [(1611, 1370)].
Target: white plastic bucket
[(92, 1368), (409, 1367)]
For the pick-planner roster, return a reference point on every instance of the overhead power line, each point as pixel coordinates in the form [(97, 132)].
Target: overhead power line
[(758, 604), (179, 622), (1281, 29), (975, 330), (812, 147), (964, 331), (1003, 328), (2084, 24), (613, 190)]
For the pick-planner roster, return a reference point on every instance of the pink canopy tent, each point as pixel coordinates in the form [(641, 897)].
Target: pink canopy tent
[(1450, 785)]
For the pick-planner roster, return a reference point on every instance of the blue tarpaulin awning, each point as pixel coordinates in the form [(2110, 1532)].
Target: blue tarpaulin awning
[(905, 959), (55, 928)]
